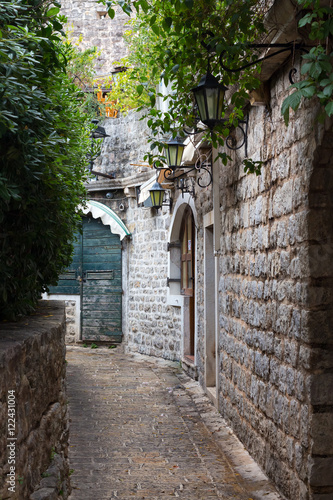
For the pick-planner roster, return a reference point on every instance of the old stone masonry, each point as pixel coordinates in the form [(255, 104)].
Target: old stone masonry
[(141, 428)]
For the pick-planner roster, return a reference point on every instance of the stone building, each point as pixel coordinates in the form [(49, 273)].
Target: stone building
[(254, 320)]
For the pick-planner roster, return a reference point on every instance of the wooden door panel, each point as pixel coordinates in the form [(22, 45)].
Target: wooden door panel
[(96, 275), (102, 283)]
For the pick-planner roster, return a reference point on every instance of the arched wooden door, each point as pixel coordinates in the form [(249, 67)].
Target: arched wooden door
[(187, 280), (96, 275)]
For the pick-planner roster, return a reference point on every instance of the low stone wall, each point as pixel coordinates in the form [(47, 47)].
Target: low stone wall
[(33, 408)]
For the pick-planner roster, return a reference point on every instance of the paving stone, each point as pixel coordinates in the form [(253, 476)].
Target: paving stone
[(142, 429)]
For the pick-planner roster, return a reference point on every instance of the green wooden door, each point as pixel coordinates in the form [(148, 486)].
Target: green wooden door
[(96, 275), (101, 282)]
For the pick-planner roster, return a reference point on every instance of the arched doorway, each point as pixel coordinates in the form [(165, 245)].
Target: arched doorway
[(182, 274), (187, 236)]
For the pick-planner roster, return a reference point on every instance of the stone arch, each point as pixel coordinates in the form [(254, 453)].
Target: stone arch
[(187, 304), (183, 202)]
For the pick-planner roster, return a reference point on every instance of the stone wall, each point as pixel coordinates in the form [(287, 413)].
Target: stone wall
[(275, 298), (152, 325), (33, 407), (123, 151), (316, 351), (89, 24)]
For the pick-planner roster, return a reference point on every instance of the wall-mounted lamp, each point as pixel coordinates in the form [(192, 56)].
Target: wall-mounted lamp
[(209, 97), (157, 193), (209, 94), (175, 171), (98, 133), (173, 151)]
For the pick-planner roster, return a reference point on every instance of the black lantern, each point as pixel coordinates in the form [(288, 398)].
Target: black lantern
[(98, 132), (173, 150), (157, 195), (209, 96)]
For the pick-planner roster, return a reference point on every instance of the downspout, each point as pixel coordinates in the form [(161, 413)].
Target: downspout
[(217, 253), (216, 203)]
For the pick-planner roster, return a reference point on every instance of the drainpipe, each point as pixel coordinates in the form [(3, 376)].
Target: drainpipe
[(217, 253), (216, 203)]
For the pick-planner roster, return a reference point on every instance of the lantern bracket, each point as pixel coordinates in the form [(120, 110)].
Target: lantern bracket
[(230, 141), (179, 175), (98, 133), (283, 47)]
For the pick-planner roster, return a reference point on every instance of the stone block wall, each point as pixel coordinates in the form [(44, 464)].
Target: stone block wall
[(123, 151), (33, 407), (88, 23), (275, 298), (153, 327)]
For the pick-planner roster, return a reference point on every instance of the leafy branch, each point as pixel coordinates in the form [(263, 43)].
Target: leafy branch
[(170, 44), (317, 67)]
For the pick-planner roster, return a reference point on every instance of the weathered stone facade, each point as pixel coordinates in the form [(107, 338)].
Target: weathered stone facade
[(123, 151), (89, 24), (33, 411), (275, 298)]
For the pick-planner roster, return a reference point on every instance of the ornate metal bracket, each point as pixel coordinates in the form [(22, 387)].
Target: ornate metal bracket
[(284, 47), (179, 175), (230, 141)]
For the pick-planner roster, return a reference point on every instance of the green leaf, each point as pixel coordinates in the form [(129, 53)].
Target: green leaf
[(155, 29), (53, 12), (139, 89), (292, 101), (328, 90), (308, 91), (152, 20), (167, 22), (111, 13), (329, 108), (306, 19), (144, 5)]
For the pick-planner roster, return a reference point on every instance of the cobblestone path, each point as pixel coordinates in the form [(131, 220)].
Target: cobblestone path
[(142, 429)]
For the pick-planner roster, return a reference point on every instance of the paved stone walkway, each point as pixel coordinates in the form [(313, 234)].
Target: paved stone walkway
[(142, 429)]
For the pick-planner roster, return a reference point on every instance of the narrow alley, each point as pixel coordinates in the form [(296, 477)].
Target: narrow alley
[(140, 428)]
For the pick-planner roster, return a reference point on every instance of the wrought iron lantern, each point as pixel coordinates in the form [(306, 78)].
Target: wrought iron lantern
[(156, 195), (209, 97), (175, 171), (98, 133), (173, 150)]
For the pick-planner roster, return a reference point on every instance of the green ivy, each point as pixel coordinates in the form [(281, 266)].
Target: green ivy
[(317, 66)]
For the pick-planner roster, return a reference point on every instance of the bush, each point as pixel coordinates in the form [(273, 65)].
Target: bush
[(44, 140)]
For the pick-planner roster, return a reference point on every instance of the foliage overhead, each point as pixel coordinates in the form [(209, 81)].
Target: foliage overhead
[(44, 139), (173, 42), (317, 68)]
